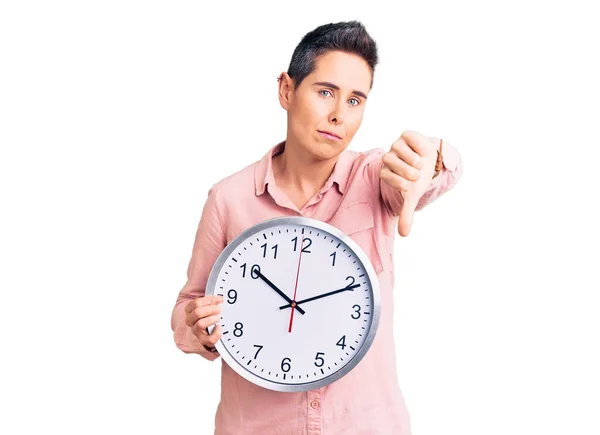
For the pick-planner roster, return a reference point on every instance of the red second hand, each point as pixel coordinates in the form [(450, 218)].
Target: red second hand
[(296, 286)]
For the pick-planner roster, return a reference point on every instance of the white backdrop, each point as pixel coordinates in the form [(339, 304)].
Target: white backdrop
[(116, 117)]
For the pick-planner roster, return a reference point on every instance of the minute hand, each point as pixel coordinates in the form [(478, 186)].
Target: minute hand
[(352, 287)]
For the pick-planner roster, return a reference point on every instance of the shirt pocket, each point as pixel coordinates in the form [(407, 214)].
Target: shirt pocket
[(356, 221)]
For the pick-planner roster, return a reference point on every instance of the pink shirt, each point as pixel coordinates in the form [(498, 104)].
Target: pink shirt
[(368, 399)]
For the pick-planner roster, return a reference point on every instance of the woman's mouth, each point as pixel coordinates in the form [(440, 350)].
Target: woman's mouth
[(329, 135)]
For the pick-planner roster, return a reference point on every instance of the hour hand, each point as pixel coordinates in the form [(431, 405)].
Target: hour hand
[(350, 287), (282, 294)]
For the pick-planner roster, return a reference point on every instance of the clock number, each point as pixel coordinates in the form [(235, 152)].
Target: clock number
[(238, 331), (318, 358), (353, 280), (265, 250), (259, 349), (305, 248), (231, 295), (254, 270), (333, 261), (357, 308), (243, 266), (285, 365), (342, 342)]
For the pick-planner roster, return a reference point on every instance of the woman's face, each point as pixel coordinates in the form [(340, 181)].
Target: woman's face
[(330, 99)]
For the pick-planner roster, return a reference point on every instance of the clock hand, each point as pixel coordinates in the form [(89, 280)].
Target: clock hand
[(282, 294), (352, 287)]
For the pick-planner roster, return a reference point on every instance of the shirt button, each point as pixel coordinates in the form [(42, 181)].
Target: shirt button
[(314, 404)]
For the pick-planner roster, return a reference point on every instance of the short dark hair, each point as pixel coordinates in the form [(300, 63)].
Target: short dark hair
[(349, 36)]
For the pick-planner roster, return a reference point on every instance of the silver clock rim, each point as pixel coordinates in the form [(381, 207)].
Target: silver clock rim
[(376, 310)]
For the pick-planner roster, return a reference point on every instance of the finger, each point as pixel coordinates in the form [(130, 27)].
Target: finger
[(407, 154), (406, 217), (392, 161), (208, 321), (394, 180), (213, 338), (203, 301), (201, 312), (199, 329), (416, 141)]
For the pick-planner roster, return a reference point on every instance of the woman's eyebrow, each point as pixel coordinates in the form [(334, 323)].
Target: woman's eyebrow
[(337, 88)]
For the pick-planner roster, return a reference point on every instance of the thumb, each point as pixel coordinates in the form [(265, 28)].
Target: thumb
[(406, 215)]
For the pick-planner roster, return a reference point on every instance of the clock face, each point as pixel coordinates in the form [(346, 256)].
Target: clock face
[(301, 303)]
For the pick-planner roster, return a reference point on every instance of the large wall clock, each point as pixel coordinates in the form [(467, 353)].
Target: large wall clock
[(301, 303)]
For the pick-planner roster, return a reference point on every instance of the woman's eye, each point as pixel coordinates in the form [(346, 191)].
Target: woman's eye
[(356, 102), (324, 92)]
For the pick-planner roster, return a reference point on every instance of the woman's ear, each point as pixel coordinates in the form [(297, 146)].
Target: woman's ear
[(286, 90)]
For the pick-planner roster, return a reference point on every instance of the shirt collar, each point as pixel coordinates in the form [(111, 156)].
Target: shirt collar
[(264, 170)]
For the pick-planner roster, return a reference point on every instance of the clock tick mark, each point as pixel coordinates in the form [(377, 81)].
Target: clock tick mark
[(338, 245), (360, 276), (264, 235), (234, 259), (249, 361), (226, 332), (352, 347), (322, 372)]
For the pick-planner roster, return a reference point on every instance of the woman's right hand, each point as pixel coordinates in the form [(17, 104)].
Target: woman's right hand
[(202, 313)]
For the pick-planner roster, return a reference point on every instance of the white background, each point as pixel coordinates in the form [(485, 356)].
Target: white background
[(116, 117)]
